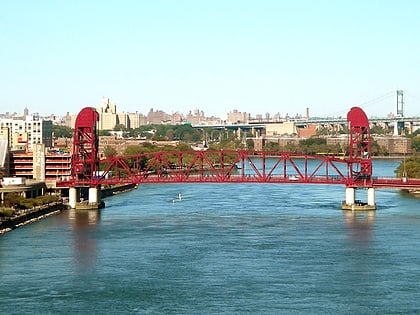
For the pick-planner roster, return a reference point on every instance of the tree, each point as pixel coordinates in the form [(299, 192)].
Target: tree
[(133, 150), (62, 131), (170, 134), (378, 130), (12, 199), (410, 166), (110, 151), (119, 127), (104, 133), (415, 143)]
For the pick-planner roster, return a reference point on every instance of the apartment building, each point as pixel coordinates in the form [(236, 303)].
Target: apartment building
[(40, 164), (24, 132)]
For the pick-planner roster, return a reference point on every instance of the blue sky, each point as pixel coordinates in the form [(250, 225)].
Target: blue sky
[(255, 56)]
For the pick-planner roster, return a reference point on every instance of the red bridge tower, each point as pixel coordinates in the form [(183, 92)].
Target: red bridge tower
[(360, 161), (85, 190)]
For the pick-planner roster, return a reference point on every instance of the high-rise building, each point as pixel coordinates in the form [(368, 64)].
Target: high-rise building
[(24, 132), (236, 116)]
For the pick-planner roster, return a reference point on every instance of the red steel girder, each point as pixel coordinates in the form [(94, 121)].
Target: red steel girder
[(223, 166), (85, 146), (360, 155)]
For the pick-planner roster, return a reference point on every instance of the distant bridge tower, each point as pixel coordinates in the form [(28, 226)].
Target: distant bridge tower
[(400, 103), (399, 125)]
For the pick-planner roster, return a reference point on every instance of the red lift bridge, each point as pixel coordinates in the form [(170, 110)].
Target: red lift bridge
[(227, 166)]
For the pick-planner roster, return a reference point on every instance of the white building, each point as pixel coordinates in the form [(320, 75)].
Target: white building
[(25, 131)]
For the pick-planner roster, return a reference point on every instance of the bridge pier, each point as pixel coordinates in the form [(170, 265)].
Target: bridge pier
[(371, 197), (72, 197), (350, 195), (352, 204), (77, 200)]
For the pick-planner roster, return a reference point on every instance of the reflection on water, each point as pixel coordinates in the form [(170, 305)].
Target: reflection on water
[(360, 225), (83, 224)]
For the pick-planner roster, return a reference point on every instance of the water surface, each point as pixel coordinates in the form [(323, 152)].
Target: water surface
[(222, 248)]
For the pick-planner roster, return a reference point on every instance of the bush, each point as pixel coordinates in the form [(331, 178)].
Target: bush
[(7, 212)]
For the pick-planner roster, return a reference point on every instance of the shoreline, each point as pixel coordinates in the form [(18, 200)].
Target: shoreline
[(30, 216), (398, 158), (35, 214)]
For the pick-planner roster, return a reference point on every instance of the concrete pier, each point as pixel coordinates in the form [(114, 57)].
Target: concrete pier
[(93, 200), (371, 197), (93, 195), (350, 195), (351, 203), (72, 197)]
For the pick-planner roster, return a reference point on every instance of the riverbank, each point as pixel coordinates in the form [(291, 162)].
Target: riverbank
[(117, 189), (24, 217), (31, 215)]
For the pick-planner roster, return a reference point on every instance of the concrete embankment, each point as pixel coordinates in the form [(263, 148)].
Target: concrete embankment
[(117, 189), (30, 215)]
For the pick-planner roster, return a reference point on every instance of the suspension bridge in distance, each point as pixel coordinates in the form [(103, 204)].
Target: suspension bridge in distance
[(354, 171)]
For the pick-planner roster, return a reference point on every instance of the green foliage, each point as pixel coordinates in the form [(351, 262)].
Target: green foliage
[(184, 133), (15, 201), (133, 150), (183, 147), (313, 145), (104, 133), (378, 150), (228, 145), (12, 199), (119, 127), (378, 130), (62, 131), (7, 212), (110, 151), (411, 167), (250, 144), (415, 143), (313, 141)]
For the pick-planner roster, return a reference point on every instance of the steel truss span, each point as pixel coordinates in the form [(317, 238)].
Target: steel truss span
[(234, 166), (223, 166), (227, 166)]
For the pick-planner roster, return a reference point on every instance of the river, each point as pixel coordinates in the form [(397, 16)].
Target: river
[(220, 248)]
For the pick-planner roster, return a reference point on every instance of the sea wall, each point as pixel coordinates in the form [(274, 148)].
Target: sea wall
[(30, 215), (117, 189)]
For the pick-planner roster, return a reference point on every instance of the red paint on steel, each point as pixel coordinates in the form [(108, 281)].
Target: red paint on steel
[(227, 166), (85, 147), (360, 155)]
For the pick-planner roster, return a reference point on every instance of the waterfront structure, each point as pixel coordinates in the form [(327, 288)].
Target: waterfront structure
[(23, 187), (223, 166), (394, 145), (40, 164)]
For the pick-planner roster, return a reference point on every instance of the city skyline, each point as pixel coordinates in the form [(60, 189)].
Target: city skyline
[(271, 57), (199, 112)]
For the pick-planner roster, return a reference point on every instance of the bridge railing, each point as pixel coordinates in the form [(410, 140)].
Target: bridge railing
[(231, 166)]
